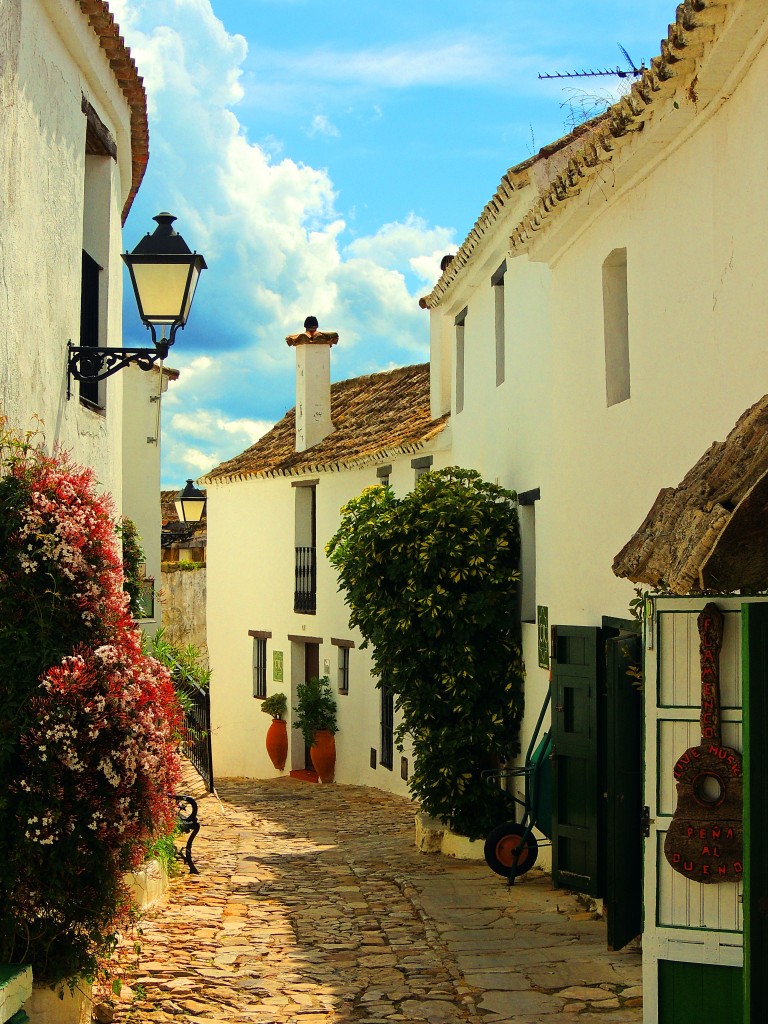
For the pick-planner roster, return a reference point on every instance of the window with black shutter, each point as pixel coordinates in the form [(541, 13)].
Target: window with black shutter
[(387, 750), (89, 319)]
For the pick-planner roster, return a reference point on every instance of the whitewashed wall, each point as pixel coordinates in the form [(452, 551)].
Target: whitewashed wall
[(693, 221), (142, 399), (51, 57), (250, 560)]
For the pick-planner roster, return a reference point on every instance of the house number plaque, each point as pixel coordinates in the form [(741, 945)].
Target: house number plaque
[(705, 841)]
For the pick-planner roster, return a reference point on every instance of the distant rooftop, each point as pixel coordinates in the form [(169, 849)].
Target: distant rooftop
[(378, 415)]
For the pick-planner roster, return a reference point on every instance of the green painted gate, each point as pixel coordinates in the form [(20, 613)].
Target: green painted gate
[(578, 764)]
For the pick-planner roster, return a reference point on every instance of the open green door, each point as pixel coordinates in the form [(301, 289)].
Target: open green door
[(577, 793), (755, 711), (624, 791)]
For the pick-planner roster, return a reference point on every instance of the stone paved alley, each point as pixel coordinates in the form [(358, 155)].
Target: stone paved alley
[(313, 905)]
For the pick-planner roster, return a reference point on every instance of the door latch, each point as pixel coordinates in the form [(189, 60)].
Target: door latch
[(646, 821)]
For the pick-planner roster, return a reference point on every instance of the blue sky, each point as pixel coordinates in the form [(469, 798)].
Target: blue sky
[(324, 155)]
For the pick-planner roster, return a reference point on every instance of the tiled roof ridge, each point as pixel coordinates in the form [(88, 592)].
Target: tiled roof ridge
[(512, 181), (297, 463), (336, 466), (604, 132), (123, 66)]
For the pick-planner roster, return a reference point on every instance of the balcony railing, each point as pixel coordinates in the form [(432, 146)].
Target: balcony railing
[(305, 590)]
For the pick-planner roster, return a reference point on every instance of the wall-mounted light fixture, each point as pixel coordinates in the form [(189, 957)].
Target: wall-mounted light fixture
[(190, 503), (164, 274)]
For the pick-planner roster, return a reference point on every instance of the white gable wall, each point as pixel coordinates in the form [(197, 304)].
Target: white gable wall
[(694, 226), (251, 563), (51, 58)]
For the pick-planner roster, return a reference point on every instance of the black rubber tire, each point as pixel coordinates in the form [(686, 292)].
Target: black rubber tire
[(500, 847)]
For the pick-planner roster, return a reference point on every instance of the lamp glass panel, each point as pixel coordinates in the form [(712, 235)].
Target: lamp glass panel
[(193, 279), (161, 288), (190, 510)]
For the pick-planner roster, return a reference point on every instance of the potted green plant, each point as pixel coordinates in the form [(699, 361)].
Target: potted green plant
[(315, 716), (277, 733)]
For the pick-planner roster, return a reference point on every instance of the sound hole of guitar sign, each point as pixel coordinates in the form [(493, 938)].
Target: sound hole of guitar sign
[(708, 789)]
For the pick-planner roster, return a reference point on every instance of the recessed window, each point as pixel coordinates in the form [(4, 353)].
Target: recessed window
[(387, 749), (344, 647), (100, 152), (527, 517), (260, 638), (497, 282), (383, 473), (305, 571), (421, 466), (616, 327), (459, 328)]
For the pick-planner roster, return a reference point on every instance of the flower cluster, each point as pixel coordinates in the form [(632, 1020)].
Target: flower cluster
[(104, 721), (89, 723)]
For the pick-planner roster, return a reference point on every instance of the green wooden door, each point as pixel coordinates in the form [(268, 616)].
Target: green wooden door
[(624, 792), (577, 795), (693, 993), (755, 711)]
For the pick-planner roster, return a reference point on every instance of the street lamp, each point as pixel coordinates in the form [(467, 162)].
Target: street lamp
[(164, 274), (190, 504)]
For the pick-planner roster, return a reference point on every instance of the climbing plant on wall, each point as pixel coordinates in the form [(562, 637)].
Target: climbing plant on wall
[(431, 581)]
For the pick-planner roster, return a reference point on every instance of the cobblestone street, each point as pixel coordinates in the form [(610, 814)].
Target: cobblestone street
[(313, 905)]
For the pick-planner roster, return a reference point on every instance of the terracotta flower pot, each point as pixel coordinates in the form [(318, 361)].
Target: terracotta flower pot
[(323, 755), (277, 742)]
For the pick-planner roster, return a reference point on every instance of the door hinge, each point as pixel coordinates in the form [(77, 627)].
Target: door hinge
[(646, 821)]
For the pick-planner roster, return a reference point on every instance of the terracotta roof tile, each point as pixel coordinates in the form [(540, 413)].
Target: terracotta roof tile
[(123, 66), (375, 416)]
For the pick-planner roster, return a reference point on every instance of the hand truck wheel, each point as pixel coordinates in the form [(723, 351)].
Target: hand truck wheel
[(502, 850)]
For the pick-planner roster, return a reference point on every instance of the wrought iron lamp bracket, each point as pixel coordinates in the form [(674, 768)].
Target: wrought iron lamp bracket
[(91, 363)]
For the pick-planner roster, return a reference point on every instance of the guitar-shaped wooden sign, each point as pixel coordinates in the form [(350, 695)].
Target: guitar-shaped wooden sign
[(705, 839)]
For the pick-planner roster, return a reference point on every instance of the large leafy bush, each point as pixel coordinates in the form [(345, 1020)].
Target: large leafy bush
[(431, 581), (88, 722)]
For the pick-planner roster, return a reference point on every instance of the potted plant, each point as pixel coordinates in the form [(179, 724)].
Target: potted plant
[(277, 733), (315, 716)]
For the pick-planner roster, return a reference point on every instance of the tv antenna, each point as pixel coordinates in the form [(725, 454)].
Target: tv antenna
[(633, 71)]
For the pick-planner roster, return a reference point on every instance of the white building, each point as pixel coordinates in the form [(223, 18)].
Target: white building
[(598, 329), (275, 616), (73, 151)]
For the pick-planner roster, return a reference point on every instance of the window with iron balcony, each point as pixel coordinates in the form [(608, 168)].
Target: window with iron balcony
[(305, 569)]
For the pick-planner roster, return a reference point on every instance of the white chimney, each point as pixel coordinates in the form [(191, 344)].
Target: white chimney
[(313, 383)]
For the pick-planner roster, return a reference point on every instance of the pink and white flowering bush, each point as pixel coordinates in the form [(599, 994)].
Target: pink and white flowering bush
[(89, 724)]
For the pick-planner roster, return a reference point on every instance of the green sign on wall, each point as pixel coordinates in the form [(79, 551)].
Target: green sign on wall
[(277, 666), (542, 624)]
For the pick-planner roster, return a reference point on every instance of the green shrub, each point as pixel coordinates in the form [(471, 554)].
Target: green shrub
[(431, 582)]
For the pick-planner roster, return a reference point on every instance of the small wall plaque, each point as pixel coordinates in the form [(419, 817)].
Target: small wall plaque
[(277, 666), (542, 624)]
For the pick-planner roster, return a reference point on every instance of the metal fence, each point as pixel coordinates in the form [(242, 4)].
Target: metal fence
[(304, 597), (196, 740)]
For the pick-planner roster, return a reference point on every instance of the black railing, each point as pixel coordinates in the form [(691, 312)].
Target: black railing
[(196, 735), (305, 591)]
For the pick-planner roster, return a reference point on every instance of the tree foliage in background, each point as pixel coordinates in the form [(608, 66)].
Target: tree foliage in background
[(133, 560), (88, 722), (431, 580)]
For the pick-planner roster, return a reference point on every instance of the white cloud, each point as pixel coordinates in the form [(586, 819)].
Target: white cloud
[(322, 126), (439, 61), (272, 237)]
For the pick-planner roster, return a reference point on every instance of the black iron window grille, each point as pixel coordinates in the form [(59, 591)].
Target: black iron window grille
[(305, 592), (387, 750), (343, 670), (260, 668)]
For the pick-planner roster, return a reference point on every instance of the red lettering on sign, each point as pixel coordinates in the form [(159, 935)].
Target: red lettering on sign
[(738, 867), (722, 869), (687, 865)]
